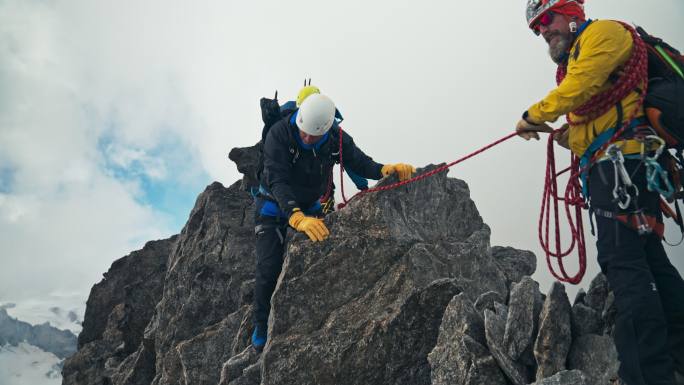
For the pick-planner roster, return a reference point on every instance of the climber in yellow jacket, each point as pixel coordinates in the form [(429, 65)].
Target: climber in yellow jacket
[(649, 292)]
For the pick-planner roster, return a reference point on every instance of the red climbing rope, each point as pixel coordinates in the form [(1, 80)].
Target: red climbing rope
[(550, 202), (415, 178)]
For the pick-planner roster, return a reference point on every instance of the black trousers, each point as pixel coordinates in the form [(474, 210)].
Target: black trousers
[(271, 241), (649, 292)]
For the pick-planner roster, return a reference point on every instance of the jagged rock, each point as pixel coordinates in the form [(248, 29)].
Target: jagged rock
[(598, 292), (213, 345), (495, 327), (566, 377), (553, 341), (250, 376), (466, 362), (514, 263), (461, 318), (234, 368), (596, 357), (579, 297), (365, 306), (585, 320), (213, 258), (388, 350), (138, 368), (362, 306), (487, 300), (247, 161), (117, 312), (136, 281), (460, 356), (521, 315)]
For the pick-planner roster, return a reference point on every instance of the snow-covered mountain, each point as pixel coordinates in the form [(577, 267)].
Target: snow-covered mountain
[(61, 312), (26, 364), (34, 354)]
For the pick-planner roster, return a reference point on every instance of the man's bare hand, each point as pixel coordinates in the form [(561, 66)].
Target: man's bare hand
[(562, 137), (528, 130)]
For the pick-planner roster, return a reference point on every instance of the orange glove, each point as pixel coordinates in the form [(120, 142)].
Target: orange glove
[(404, 171), (313, 227)]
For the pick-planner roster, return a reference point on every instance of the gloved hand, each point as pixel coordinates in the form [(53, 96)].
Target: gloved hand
[(404, 171), (529, 130), (313, 227), (562, 137)]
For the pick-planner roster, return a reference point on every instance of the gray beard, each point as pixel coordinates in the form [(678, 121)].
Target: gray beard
[(559, 49)]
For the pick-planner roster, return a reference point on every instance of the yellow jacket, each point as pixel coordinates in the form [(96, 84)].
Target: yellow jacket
[(598, 52)]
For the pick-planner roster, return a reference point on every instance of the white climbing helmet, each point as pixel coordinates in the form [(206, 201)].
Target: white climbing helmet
[(316, 115)]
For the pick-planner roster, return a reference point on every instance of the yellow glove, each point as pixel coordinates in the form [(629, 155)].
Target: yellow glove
[(313, 227), (404, 171)]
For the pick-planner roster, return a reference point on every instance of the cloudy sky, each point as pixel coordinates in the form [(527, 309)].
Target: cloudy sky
[(115, 115)]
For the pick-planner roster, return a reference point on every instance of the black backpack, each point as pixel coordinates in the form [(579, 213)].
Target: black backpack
[(664, 103), (664, 107), (271, 113)]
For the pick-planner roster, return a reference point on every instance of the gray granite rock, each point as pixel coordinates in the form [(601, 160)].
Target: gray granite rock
[(520, 320), (495, 327), (554, 339), (375, 312), (597, 293), (566, 377), (514, 263), (585, 320), (247, 161), (487, 300), (118, 310), (580, 297), (234, 369), (365, 306), (460, 356), (596, 357)]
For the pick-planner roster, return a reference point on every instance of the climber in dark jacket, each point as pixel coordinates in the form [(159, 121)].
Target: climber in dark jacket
[(299, 153)]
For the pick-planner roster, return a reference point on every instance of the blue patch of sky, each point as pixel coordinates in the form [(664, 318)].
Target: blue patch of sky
[(6, 179), (174, 194)]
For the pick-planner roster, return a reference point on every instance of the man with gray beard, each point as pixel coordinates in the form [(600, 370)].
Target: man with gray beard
[(594, 59)]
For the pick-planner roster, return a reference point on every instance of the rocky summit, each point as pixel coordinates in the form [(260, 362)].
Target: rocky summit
[(406, 290)]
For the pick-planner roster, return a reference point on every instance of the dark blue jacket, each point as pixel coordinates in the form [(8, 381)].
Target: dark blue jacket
[(296, 175)]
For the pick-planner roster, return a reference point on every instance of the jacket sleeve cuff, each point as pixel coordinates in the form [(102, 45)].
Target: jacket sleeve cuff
[(291, 209), (531, 119)]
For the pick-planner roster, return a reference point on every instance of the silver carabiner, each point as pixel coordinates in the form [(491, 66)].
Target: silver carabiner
[(620, 194)]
